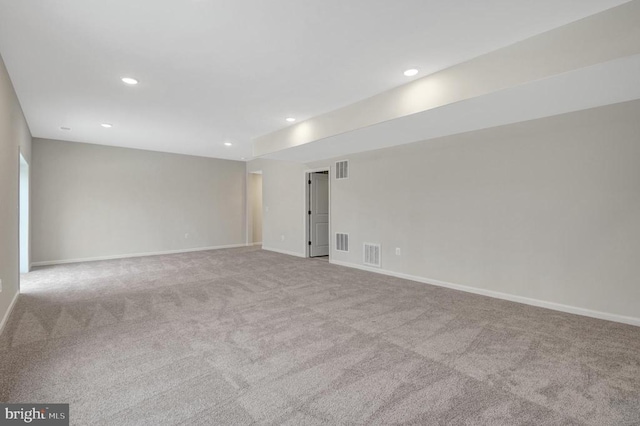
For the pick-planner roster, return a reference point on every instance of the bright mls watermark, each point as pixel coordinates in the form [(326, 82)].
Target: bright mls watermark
[(34, 414)]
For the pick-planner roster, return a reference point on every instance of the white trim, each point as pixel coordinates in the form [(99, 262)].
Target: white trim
[(287, 252), (499, 295), (255, 244), (8, 313), (125, 256)]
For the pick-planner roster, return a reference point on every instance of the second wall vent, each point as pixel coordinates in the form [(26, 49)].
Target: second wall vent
[(342, 242), (371, 254), (342, 169)]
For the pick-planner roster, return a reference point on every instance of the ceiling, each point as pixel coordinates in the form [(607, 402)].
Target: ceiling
[(228, 71), (590, 87)]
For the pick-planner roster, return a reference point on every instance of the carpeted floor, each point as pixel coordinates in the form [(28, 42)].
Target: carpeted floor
[(246, 336)]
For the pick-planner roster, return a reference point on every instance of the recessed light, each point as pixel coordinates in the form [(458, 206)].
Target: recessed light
[(411, 72), (106, 125), (65, 128), (291, 119), (129, 80), (227, 143), (242, 158)]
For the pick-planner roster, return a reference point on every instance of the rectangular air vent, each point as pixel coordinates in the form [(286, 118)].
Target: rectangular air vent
[(342, 242), (342, 169), (371, 254)]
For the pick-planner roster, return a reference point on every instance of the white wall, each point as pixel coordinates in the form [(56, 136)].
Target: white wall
[(282, 205), (14, 138), (546, 209), (255, 204), (25, 225), (92, 201)]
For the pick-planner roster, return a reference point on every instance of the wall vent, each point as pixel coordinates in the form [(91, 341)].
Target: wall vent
[(371, 254), (342, 169), (342, 242)]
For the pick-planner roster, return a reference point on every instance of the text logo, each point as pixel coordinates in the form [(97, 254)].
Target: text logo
[(34, 414)]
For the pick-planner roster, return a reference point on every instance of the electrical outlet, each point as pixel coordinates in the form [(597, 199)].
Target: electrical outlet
[(186, 235), (282, 237), (397, 251), (266, 209)]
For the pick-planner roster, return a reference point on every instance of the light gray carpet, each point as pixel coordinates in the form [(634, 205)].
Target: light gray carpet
[(245, 336)]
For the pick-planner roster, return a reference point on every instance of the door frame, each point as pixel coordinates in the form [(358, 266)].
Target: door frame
[(305, 211)]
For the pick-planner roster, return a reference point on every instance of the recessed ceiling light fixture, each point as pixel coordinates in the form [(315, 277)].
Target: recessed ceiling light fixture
[(291, 119), (107, 125), (228, 144), (65, 128), (130, 81), (411, 72)]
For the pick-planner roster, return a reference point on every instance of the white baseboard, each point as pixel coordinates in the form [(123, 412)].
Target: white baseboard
[(290, 253), (499, 295), (125, 256), (8, 313), (255, 244)]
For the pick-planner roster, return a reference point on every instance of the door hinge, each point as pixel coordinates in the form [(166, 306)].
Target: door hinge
[(309, 242), (309, 182), (309, 211)]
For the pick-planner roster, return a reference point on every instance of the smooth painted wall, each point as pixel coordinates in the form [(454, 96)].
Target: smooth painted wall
[(255, 192), (15, 137), (546, 209), (92, 201), (282, 205)]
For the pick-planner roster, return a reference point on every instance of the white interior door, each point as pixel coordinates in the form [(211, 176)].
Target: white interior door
[(319, 214)]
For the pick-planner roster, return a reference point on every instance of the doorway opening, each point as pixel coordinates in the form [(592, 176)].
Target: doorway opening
[(317, 213), (24, 216), (254, 233)]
